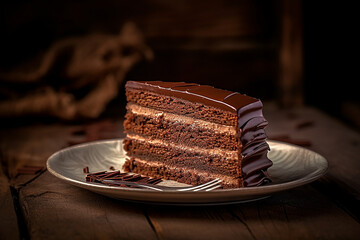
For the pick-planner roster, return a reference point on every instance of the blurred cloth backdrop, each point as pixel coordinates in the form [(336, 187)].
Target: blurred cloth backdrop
[(273, 50)]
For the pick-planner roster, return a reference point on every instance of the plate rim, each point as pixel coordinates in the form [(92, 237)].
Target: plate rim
[(265, 190)]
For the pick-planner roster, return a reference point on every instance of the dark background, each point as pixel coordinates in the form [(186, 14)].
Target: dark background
[(234, 45)]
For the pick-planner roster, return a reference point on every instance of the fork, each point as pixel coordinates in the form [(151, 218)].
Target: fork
[(209, 186)]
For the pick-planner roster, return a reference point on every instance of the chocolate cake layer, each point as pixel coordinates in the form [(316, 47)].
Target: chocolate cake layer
[(186, 117), (210, 160), (183, 175), (177, 129), (180, 106), (201, 100), (207, 95)]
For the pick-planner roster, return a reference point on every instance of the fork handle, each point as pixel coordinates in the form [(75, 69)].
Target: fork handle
[(141, 185)]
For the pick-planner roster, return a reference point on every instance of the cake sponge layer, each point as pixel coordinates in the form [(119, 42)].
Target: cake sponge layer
[(180, 106), (178, 129), (211, 160), (183, 175), (193, 133)]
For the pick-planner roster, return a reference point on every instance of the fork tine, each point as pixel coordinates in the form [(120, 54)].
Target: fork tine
[(198, 186), (202, 186), (213, 188), (213, 184), (208, 186), (148, 186)]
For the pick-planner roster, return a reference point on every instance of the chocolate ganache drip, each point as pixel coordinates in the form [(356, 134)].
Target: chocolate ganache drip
[(251, 122)]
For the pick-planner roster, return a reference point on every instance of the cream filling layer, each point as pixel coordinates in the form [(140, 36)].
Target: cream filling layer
[(216, 151), (196, 123), (225, 178)]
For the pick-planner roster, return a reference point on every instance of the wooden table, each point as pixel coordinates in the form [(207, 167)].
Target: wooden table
[(39, 206)]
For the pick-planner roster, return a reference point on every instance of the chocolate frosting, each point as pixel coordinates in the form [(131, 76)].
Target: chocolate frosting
[(208, 95), (250, 120)]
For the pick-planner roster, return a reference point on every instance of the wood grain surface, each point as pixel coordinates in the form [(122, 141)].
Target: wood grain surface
[(8, 220), (338, 143), (40, 206)]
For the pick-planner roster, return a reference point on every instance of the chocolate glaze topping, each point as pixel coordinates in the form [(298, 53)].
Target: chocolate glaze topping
[(250, 120), (223, 99)]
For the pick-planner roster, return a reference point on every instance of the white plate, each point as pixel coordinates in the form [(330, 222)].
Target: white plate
[(293, 166)]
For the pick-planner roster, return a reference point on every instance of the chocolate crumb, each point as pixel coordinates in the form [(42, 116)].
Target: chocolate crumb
[(78, 132), (304, 124), (86, 169), (99, 177), (111, 174)]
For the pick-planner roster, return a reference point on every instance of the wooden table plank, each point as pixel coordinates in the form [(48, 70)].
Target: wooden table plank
[(56, 210), (339, 144), (53, 209), (197, 223), (8, 220), (32, 145), (302, 213)]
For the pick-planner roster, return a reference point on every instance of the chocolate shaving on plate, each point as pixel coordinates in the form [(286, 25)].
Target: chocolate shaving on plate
[(99, 177)]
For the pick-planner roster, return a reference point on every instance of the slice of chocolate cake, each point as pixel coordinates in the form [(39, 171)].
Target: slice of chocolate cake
[(193, 133)]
